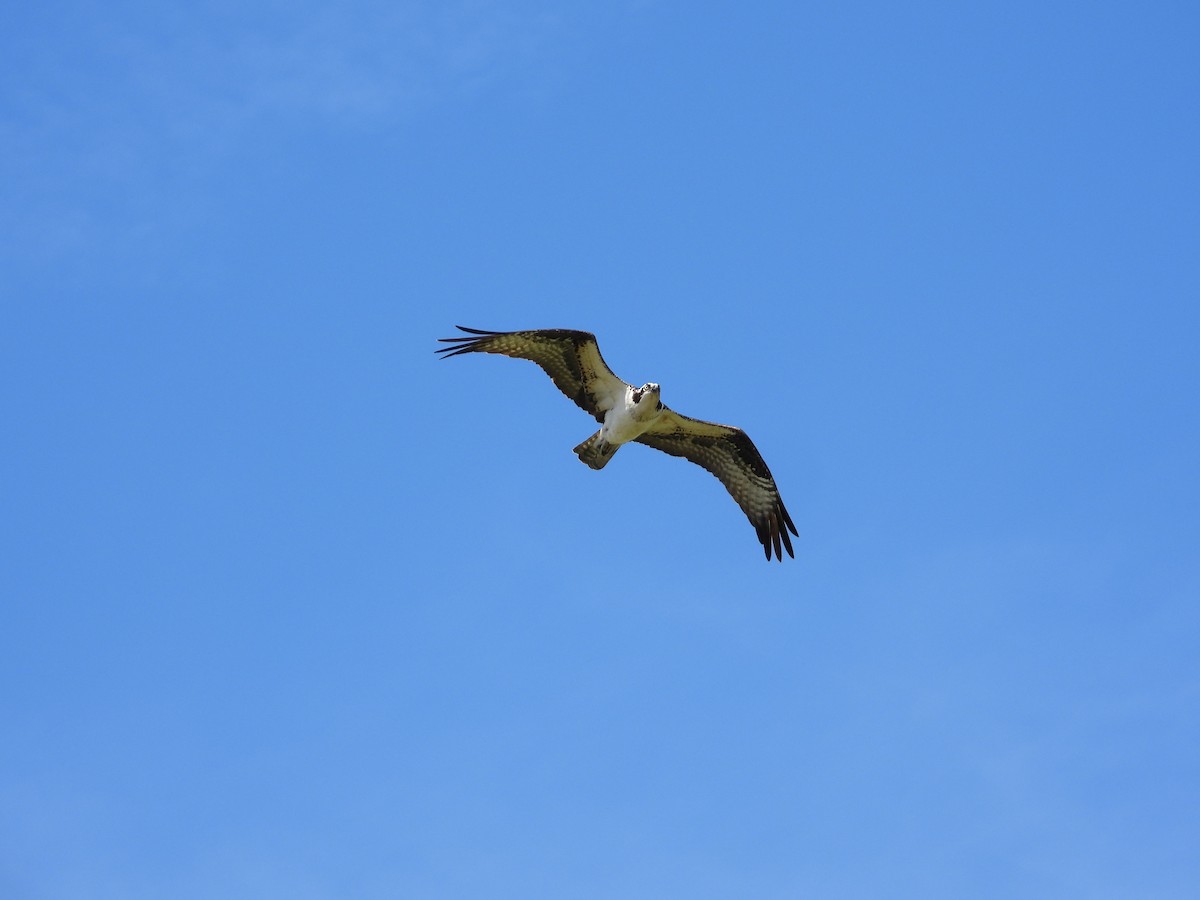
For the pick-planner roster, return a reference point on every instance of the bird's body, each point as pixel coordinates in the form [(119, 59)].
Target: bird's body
[(632, 414)]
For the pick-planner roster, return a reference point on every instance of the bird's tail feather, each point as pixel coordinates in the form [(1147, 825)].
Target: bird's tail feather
[(595, 452)]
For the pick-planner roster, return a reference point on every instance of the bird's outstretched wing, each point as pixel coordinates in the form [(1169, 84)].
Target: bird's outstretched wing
[(570, 358), (729, 454)]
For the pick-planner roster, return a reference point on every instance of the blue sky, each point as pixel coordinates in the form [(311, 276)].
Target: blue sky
[(293, 609)]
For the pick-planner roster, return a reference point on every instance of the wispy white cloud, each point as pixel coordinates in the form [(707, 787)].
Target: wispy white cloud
[(104, 106)]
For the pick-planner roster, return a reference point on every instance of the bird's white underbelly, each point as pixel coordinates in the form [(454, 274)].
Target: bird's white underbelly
[(623, 424)]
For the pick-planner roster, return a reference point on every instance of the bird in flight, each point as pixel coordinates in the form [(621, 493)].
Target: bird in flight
[(627, 413)]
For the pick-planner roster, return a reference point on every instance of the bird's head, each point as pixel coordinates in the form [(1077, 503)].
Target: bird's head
[(648, 391)]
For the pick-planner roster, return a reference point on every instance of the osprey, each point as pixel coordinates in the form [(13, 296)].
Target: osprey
[(625, 413)]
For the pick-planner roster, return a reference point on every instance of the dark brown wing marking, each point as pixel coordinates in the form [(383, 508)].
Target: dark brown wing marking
[(729, 454), (570, 358)]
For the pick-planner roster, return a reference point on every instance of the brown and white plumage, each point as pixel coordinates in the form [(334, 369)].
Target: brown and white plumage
[(729, 454), (573, 362), (570, 358)]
